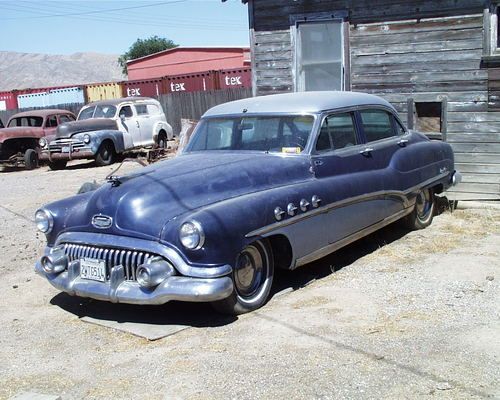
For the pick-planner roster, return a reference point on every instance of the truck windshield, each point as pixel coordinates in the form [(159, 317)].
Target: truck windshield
[(99, 111), (284, 134), (26, 121)]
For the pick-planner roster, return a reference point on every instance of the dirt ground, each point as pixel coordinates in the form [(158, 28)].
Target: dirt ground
[(398, 315)]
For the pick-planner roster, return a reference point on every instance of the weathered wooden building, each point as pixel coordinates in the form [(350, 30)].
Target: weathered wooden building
[(437, 62)]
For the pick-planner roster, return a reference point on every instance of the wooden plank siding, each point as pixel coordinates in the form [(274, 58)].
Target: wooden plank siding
[(424, 50)]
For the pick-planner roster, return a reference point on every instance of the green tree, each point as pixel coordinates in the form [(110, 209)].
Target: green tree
[(145, 47)]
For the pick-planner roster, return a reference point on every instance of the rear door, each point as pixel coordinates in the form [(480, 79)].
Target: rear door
[(384, 139), (146, 124)]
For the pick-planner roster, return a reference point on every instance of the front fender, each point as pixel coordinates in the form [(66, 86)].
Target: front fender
[(97, 137)]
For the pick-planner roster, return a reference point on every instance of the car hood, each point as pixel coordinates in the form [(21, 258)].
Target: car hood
[(69, 129), (142, 203), (20, 131)]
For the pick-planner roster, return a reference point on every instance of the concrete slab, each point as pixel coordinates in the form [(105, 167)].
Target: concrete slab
[(144, 330), (34, 396)]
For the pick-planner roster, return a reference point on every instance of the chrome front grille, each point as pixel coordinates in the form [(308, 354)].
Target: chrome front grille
[(129, 259), (57, 145)]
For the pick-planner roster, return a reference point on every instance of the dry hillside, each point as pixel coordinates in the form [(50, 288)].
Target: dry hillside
[(27, 70)]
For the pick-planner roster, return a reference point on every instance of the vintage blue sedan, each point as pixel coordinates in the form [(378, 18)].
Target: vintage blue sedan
[(269, 182)]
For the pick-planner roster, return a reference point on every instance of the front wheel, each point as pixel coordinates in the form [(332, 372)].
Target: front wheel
[(423, 213), (30, 159), (252, 279), (105, 155)]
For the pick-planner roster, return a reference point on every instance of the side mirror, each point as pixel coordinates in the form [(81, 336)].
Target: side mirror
[(122, 117)]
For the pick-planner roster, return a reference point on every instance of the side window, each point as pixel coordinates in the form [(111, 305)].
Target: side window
[(337, 132), (400, 130), (65, 118), (126, 111), (51, 121), (142, 109), (153, 109), (376, 125)]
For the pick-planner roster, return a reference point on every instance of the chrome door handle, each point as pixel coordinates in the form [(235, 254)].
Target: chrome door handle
[(366, 151), (403, 142)]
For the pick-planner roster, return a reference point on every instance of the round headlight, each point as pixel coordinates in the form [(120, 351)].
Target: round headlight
[(86, 138), (191, 235), (42, 142), (44, 221)]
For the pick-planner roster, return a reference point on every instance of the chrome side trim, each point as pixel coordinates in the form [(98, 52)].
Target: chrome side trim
[(402, 195), (320, 253), (132, 244)]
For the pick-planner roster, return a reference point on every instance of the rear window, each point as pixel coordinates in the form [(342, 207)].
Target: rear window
[(377, 125), (26, 121)]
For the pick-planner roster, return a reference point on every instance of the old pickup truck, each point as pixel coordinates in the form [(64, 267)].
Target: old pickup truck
[(19, 141), (107, 128)]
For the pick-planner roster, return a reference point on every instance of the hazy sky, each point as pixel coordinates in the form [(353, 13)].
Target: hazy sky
[(111, 26)]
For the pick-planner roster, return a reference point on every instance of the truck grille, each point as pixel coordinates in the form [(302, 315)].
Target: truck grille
[(57, 145), (129, 259)]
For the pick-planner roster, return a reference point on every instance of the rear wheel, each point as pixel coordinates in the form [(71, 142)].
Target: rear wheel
[(30, 159), (252, 279), (57, 165), (105, 154), (162, 140), (423, 213)]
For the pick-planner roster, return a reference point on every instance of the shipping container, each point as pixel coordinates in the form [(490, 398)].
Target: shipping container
[(234, 78), (103, 91), (51, 97), (202, 81), (8, 101), (145, 87)]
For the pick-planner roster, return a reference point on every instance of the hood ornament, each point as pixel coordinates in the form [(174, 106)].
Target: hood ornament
[(102, 221)]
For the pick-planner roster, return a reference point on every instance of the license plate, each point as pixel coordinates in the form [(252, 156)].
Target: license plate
[(92, 269), (65, 149)]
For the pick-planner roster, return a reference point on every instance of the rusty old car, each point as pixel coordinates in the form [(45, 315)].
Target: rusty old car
[(264, 183), (107, 128), (19, 141)]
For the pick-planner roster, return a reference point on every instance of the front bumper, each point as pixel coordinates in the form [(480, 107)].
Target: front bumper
[(188, 283), (76, 154), (118, 290)]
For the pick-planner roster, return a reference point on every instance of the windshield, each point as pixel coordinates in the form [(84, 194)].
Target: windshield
[(99, 111), (26, 121), (286, 134)]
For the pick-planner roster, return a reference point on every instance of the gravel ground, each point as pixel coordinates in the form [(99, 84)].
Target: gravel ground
[(398, 315)]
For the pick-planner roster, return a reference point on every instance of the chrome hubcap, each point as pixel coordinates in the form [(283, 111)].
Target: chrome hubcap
[(249, 271), (423, 204)]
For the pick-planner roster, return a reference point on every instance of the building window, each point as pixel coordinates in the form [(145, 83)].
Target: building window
[(428, 116), (491, 19), (319, 51)]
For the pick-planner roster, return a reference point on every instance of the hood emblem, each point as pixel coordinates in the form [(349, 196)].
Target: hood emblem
[(102, 221)]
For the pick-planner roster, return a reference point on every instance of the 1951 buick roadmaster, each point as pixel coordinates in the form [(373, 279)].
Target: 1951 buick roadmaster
[(264, 183)]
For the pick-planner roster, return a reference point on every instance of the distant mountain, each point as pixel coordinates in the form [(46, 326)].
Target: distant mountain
[(29, 70)]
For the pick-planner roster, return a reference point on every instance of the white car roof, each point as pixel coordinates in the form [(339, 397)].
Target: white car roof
[(298, 102)]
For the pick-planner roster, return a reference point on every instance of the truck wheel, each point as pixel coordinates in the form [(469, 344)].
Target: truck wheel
[(105, 155), (162, 140), (30, 159), (57, 165), (252, 278)]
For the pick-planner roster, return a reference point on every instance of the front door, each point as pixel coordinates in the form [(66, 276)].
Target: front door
[(131, 127), (351, 187)]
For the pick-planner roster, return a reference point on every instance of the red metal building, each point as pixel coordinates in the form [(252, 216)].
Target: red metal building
[(188, 60)]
